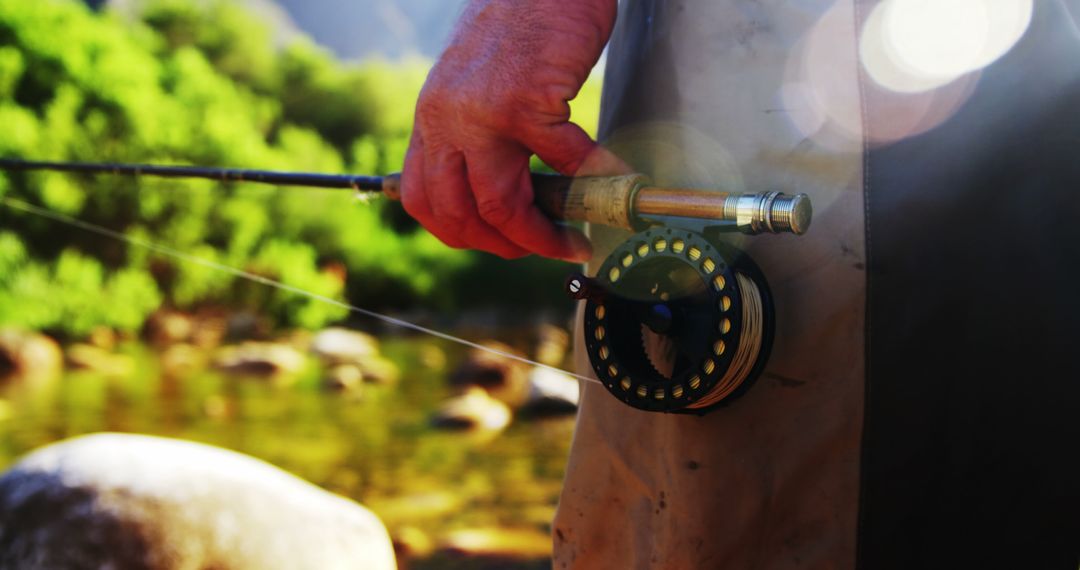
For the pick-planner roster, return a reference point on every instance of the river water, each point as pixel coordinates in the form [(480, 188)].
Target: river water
[(377, 447)]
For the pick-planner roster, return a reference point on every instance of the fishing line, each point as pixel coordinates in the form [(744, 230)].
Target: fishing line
[(186, 257), (749, 346)]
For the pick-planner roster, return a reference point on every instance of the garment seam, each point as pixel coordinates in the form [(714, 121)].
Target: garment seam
[(864, 447)]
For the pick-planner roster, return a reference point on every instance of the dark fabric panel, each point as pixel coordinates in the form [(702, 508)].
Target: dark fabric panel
[(972, 445)]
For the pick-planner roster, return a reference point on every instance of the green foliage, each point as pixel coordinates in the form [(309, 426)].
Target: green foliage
[(203, 83), (11, 68), (237, 45), (73, 294)]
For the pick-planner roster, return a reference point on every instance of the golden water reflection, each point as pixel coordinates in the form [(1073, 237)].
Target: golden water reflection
[(377, 448)]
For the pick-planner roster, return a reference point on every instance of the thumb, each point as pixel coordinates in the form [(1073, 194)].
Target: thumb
[(568, 149)]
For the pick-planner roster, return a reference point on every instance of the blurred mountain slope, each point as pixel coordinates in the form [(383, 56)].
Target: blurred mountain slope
[(364, 28), (357, 29)]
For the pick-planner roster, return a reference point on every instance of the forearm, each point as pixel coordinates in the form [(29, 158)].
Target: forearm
[(539, 52)]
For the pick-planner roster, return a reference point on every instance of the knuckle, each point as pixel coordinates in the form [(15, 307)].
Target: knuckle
[(495, 212), (452, 219), (452, 214)]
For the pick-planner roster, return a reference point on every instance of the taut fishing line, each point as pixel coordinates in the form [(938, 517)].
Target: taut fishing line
[(188, 258)]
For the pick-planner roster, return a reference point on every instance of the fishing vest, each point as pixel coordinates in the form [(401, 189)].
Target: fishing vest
[(919, 408)]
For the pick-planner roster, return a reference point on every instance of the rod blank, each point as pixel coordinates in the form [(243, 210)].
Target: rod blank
[(617, 201), (341, 181)]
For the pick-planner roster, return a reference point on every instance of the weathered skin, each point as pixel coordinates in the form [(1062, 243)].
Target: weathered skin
[(497, 95)]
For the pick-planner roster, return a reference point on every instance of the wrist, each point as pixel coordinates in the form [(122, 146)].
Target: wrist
[(588, 22)]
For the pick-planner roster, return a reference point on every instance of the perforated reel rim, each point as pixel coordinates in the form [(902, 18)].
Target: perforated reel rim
[(744, 264), (610, 331)]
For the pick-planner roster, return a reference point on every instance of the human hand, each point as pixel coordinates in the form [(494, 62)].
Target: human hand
[(498, 94)]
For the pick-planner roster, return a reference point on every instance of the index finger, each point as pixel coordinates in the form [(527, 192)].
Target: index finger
[(504, 198)]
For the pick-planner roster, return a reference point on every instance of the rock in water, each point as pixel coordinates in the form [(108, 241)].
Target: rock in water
[(89, 357), (380, 370), (343, 346), (344, 378), (131, 502), (28, 356), (552, 344), (165, 327), (338, 347), (498, 546), (551, 393), (473, 410), (260, 359), (502, 377)]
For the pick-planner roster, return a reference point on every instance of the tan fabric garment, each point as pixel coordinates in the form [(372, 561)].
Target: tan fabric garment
[(771, 481)]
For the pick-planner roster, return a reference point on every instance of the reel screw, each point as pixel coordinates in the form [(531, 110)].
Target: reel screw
[(580, 287)]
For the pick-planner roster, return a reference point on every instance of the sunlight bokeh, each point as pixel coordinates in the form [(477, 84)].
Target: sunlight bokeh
[(911, 46)]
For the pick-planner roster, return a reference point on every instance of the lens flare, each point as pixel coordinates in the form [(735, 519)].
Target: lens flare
[(820, 89), (913, 46)]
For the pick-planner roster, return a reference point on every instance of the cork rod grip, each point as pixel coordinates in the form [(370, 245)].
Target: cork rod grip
[(605, 200)]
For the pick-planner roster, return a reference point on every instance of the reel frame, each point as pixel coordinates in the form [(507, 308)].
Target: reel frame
[(708, 321)]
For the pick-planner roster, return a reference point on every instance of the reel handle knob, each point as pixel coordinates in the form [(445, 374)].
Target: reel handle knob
[(579, 287)]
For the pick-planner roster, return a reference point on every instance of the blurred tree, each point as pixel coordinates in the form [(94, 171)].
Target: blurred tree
[(201, 83)]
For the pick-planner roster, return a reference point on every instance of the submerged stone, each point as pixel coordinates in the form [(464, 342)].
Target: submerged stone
[(344, 378), (497, 544), (95, 359), (27, 356), (494, 370), (551, 393), (473, 410), (344, 346), (264, 359)]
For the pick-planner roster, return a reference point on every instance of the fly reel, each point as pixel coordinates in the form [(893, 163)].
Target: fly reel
[(676, 322)]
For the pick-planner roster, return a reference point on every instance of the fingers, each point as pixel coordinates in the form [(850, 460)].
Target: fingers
[(567, 148), (454, 210), (482, 198), (500, 182), (414, 196), (435, 191)]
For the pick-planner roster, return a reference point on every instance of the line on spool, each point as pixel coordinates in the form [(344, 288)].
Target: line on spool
[(750, 342)]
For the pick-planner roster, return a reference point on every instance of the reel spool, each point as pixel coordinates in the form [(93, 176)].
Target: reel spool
[(676, 322)]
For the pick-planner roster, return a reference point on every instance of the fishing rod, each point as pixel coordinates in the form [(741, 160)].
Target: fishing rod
[(627, 202), (676, 319)]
